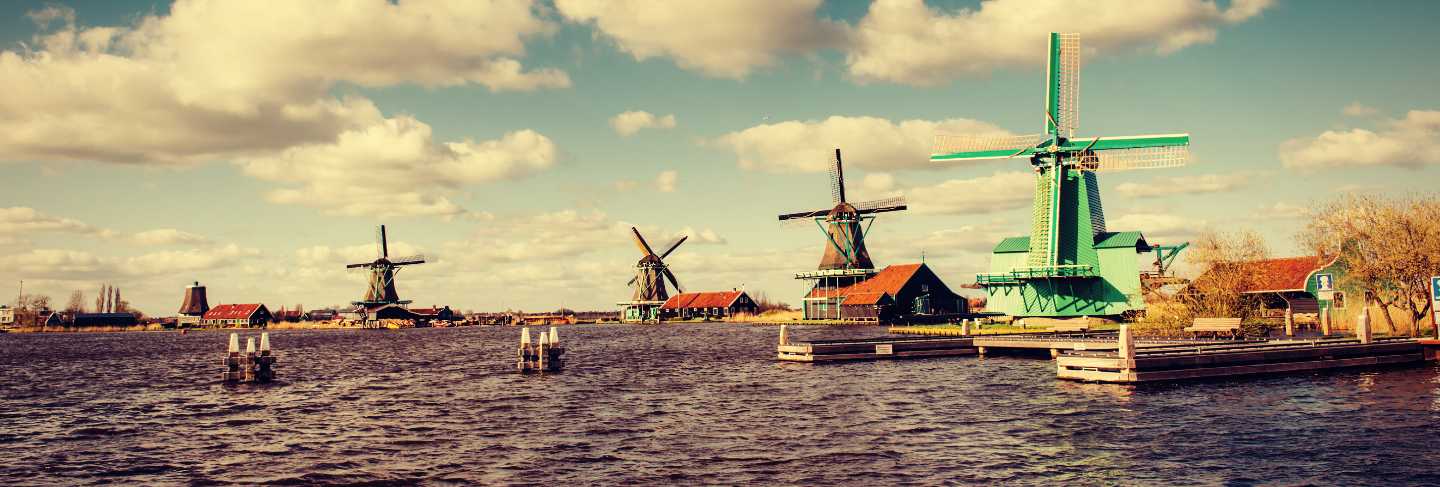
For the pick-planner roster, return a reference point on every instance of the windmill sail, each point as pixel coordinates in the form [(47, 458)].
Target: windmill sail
[(977, 147), (1135, 158), (1066, 91)]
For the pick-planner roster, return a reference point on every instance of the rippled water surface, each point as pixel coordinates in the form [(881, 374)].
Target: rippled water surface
[(702, 404)]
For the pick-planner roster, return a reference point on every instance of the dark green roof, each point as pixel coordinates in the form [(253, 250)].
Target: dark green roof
[(1107, 240)]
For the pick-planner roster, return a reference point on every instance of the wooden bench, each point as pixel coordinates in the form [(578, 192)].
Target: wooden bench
[(1217, 326), (1081, 326)]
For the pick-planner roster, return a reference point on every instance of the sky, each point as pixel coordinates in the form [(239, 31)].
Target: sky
[(254, 146)]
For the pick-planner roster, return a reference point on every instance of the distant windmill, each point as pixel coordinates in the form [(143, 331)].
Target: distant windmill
[(381, 290), (845, 225), (651, 272), (1068, 223)]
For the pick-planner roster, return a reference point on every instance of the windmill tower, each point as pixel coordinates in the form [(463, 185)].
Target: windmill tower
[(194, 305), (381, 288), (846, 260), (1057, 271), (651, 272)]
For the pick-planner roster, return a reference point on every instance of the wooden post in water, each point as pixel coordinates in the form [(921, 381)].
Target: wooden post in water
[(232, 361), (264, 361), (784, 335), (1127, 351), (965, 327), (1362, 326), (545, 355), (1325, 321), (524, 362), (1289, 322)]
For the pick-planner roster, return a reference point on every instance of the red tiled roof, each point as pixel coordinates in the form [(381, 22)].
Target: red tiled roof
[(231, 311), (863, 298), (888, 280), (1284, 274), (717, 299)]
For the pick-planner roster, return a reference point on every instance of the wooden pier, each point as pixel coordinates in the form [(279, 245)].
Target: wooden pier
[(871, 348), (1130, 364)]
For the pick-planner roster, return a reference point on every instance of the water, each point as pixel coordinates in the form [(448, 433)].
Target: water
[(703, 404)]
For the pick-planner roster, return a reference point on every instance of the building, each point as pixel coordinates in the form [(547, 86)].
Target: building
[(1103, 281), (438, 314), (47, 318), (1305, 285), (290, 316), (83, 320), (896, 293), (7, 315), (708, 305), (192, 306), (236, 316), (321, 315)]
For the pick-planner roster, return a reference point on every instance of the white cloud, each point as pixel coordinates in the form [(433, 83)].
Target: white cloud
[(865, 142), (214, 79), (666, 181), (727, 39), (907, 42), (705, 236), (631, 122), (396, 168), (168, 236), (542, 237), (1357, 109), (1409, 142), (878, 182), (1280, 211), (987, 194), (21, 220), (1177, 185), (1158, 226), (73, 265)]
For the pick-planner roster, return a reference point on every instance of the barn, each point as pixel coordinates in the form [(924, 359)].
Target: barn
[(83, 320), (236, 316), (708, 305), (897, 292)]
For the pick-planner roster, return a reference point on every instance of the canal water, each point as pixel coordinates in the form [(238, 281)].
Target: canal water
[(692, 404)]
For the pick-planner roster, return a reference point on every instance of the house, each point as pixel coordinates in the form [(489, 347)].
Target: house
[(83, 320), (1303, 285), (291, 316), (708, 305), (321, 315), (439, 314), (47, 318), (236, 316), (912, 291), (7, 315)]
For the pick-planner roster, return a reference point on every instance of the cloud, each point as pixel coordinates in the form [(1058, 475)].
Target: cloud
[(706, 236), (1177, 185), (396, 169), (907, 42), (168, 236), (726, 39), (541, 237), (865, 142), (1357, 109), (1280, 211), (1409, 142), (628, 123), (1158, 226), (214, 79), (666, 181), (987, 194), (73, 265), (21, 220)]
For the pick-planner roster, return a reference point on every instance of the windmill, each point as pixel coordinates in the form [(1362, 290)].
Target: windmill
[(1061, 273), (651, 271), (846, 260), (381, 289), (845, 225)]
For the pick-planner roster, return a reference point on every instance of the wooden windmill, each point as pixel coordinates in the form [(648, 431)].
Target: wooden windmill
[(845, 224), (651, 271), (1061, 272), (381, 288)]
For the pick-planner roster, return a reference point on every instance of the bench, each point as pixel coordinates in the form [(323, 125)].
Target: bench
[(1217, 326), (1081, 326)]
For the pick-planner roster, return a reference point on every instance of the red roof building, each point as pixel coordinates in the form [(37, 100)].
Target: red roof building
[(708, 305), (897, 291), (236, 315)]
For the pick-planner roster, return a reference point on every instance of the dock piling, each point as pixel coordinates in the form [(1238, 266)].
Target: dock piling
[(251, 366), (1289, 323), (234, 343), (1325, 321), (784, 335), (544, 355), (965, 327), (1362, 326)]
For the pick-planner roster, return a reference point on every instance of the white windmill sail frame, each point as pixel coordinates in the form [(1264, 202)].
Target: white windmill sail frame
[(1135, 158), (1068, 104), (1003, 145)]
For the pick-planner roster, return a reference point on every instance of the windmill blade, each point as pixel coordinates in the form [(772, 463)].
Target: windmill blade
[(977, 147), (674, 246), (640, 242), (1067, 81), (357, 266), (384, 244), (881, 206), (804, 215), (671, 276), (632, 280), (409, 260), (1135, 158), (837, 178)]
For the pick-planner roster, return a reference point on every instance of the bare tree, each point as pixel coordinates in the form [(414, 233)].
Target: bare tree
[(1220, 289), (77, 302), (1389, 246)]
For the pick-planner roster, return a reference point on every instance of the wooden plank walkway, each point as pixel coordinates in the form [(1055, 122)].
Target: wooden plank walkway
[(1179, 362), (873, 349)]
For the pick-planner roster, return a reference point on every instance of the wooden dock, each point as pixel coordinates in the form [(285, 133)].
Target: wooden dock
[(871, 348), (1180, 362)]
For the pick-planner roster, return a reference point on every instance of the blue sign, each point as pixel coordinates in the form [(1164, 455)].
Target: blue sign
[(1435, 290), (1324, 282)]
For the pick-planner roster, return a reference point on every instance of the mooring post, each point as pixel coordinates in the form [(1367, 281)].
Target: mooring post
[(1362, 326), (784, 335), (1127, 346), (1054, 353), (264, 362), (232, 360), (965, 327), (554, 336), (1325, 321), (542, 357), (524, 351), (1289, 323)]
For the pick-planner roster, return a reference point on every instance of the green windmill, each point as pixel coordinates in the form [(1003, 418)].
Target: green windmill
[(1069, 265)]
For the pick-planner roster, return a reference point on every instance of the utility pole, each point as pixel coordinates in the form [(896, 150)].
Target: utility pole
[(20, 299)]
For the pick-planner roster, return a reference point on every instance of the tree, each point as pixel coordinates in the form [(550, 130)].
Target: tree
[(1219, 292), (77, 302), (1389, 247)]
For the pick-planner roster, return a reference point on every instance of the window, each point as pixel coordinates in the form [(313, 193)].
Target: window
[(1337, 301)]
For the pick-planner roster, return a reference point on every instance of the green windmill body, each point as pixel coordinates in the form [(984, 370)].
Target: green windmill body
[(1070, 264)]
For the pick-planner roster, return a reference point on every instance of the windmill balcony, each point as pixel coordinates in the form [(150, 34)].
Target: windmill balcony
[(1021, 274)]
